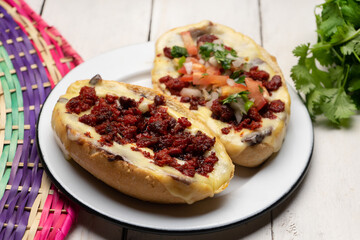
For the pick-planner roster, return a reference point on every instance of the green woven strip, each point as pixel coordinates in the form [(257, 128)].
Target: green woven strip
[(8, 127), (16, 97), (13, 100)]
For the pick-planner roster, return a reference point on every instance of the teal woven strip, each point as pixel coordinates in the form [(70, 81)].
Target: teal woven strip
[(13, 100)]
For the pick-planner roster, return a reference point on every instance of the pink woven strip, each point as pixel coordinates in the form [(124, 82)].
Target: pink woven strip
[(60, 223), (39, 54), (70, 218), (55, 37), (41, 24)]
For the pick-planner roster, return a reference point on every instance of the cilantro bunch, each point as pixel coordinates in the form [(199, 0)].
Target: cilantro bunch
[(328, 72)]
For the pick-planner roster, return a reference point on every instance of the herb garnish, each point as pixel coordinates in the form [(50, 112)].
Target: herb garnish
[(222, 55), (328, 72), (177, 52), (238, 77), (243, 95)]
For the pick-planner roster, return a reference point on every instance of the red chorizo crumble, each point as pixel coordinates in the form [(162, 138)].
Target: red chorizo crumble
[(223, 112), (174, 85), (88, 134), (225, 130), (167, 52), (118, 119), (206, 38), (83, 102), (194, 102)]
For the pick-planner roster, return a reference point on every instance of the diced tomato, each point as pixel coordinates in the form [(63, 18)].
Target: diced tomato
[(213, 70), (255, 93), (219, 80), (186, 78), (197, 76), (229, 90), (192, 59), (189, 43), (197, 67), (182, 70)]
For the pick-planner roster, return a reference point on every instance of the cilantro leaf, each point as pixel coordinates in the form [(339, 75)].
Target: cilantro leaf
[(233, 97), (244, 100), (205, 50), (301, 50), (337, 105), (351, 12), (303, 79), (222, 55), (177, 52), (240, 80)]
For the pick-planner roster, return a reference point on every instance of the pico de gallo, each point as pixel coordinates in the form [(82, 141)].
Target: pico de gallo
[(212, 75)]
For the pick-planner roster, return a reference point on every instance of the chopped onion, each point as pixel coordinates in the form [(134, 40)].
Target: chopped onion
[(238, 62), (238, 116), (201, 61), (188, 67), (205, 94), (257, 61), (213, 61), (213, 97), (239, 108), (190, 92), (231, 57), (218, 41), (218, 47), (143, 107), (230, 82)]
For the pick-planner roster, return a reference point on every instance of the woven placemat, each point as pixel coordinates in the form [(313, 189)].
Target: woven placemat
[(33, 58)]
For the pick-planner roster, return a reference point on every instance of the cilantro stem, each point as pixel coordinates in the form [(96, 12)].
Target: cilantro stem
[(357, 56), (329, 45), (347, 67), (349, 38), (342, 59)]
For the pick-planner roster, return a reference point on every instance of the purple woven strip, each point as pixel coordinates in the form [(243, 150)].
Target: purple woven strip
[(15, 163), (24, 46), (26, 176), (14, 169)]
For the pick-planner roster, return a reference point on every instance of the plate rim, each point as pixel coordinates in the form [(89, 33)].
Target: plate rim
[(162, 231)]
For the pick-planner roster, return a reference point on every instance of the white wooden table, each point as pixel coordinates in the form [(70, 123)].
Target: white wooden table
[(327, 203)]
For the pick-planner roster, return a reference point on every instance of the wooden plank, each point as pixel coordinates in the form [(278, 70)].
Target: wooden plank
[(285, 25), (240, 15), (327, 204), (94, 27), (90, 226)]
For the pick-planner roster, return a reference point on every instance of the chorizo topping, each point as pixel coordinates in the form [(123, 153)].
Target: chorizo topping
[(118, 119), (240, 86)]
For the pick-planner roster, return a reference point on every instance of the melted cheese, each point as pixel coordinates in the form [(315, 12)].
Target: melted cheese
[(245, 48), (216, 180)]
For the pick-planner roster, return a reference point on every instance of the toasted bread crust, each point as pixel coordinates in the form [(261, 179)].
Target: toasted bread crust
[(118, 171), (241, 153)]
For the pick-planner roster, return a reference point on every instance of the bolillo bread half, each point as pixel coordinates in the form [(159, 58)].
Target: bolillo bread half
[(246, 147), (124, 165)]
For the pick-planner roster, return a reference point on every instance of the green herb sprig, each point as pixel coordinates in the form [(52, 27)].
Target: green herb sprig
[(222, 55), (328, 72), (243, 95)]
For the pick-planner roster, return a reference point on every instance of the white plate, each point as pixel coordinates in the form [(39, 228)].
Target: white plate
[(250, 193)]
